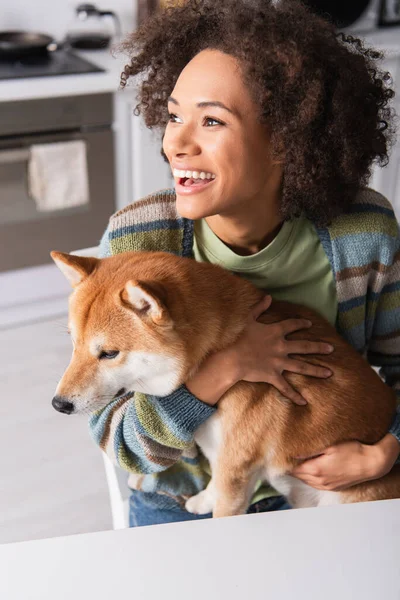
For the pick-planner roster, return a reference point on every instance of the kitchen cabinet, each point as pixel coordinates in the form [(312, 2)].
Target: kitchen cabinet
[(140, 167)]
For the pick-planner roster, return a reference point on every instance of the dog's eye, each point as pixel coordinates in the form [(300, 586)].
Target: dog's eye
[(112, 354)]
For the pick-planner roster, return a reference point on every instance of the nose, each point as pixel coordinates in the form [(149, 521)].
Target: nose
[(63, 405), (180, 142)]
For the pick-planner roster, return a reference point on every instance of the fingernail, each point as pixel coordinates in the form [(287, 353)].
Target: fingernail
[(327, 372), (309, 323), (329, 348)]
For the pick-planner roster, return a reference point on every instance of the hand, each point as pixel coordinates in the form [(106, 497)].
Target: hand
[(262, 352), (348, 463)]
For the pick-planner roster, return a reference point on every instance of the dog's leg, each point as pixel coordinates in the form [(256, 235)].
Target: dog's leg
[(202, 503), (209, 438), (233, 490)]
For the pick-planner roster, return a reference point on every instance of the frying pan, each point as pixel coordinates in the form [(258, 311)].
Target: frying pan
[(18, 43)]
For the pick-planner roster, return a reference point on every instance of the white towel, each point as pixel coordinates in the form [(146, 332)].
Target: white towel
[(57, 175)]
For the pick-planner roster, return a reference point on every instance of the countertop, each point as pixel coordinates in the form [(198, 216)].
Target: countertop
[(387, 39), (68, 85), (348, 552)]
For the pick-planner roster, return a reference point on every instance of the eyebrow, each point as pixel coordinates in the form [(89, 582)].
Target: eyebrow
[(215, 103)]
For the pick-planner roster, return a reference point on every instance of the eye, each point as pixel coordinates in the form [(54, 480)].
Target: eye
[(213, 122), (172, 118), (108, 355)]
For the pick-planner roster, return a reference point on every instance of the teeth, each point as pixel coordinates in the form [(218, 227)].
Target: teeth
[(193, 174)]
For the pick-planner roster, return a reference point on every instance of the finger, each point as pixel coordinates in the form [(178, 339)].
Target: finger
[(313, 482), (308, 347), (290, 325), (306, 477), (261, 307), (310, 467), (304, 368), (303, 472), (310, 457), (286, 390)]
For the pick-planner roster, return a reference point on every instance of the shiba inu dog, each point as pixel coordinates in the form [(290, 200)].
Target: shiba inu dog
[(144, 321)]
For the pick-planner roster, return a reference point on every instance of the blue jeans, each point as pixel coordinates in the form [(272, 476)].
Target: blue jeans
[(155, 509)]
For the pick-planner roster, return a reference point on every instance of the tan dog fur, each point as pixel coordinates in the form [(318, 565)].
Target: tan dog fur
[(173, 312)]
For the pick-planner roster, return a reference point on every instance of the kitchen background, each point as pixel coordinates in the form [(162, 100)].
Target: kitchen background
[(54, 17), (71, 153)]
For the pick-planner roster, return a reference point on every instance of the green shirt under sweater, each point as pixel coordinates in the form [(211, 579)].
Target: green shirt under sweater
[(293, 267), (279, 268)]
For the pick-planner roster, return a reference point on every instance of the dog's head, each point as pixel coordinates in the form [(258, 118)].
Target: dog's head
[(124, 337)]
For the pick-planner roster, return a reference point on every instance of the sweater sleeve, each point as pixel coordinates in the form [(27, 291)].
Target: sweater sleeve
[(384, 346), (147, 434)]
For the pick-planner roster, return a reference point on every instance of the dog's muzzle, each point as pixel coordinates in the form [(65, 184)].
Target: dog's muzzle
[(63, 405)]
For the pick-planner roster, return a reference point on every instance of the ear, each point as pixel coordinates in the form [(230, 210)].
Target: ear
[(147, 300), (75, 268)]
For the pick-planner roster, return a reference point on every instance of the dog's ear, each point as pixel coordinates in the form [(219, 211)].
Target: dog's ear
[(75, 268), (147, 299)]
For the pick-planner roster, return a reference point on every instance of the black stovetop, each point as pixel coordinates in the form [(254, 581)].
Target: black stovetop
[(59, 62)]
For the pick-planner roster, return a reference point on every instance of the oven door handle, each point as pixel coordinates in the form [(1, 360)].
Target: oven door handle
[(15, 155)]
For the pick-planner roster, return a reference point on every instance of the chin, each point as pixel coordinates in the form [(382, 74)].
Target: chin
[(193, 207)]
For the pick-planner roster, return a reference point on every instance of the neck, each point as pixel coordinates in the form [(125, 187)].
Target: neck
[(249, 229)]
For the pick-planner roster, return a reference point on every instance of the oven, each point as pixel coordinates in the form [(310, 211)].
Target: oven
[(27, 232)]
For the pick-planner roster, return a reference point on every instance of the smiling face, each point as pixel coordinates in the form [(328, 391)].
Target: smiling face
[(218, 150)]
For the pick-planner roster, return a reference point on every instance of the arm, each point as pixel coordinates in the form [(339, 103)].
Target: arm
[(352, 462), (147, 434), (384, 346)]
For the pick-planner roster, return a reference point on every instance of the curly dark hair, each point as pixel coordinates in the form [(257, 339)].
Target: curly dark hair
[(321, 92)]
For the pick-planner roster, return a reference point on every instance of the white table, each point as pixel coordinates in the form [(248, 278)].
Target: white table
[(333, 553)]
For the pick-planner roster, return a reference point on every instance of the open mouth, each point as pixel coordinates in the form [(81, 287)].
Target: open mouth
[(190, 181), (190, 185)]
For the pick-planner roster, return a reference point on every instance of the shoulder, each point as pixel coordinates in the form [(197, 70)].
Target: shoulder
[(149, 224), (157, 206), (370, 201), (367, 234), (370, 213)]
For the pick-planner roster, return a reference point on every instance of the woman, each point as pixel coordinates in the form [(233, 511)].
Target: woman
[(270, 122)]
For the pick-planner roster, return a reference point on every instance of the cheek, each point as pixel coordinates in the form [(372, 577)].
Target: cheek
[(236, 161)]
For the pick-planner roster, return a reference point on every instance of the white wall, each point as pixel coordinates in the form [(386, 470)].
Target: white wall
[(54, 16)]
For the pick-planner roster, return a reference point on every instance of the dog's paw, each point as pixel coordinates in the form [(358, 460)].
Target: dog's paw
[(201, 504)]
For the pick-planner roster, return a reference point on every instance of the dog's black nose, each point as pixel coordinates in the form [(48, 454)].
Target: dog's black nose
[(62, 405)]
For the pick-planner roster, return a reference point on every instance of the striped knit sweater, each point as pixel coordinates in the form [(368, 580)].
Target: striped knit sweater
[(152, 437)]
